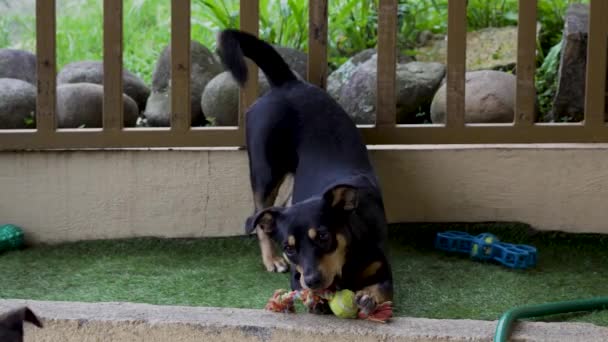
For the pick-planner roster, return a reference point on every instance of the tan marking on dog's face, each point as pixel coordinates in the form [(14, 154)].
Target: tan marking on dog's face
[(331, 264), (300, 270), (371, 269), (312, 233), (291, 240)]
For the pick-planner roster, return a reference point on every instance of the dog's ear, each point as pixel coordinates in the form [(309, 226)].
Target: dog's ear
[(342, 197), (265, 219), (12, 322)]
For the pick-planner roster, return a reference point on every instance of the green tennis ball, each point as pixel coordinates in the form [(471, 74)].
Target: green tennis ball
[(343, 304)]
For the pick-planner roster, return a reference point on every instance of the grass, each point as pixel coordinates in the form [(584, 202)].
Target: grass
[(227, 272)]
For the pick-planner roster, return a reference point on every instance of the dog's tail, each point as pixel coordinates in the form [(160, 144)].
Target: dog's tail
[(233, 45)]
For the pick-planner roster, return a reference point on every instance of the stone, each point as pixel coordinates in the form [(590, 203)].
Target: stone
[(416, 85), (17, 103), (204, 66), (296, 59), (92, 72), (81, 105), (18, 64), (220, 100), (340, 76), (489, 98), (493, 48), (569, 100)]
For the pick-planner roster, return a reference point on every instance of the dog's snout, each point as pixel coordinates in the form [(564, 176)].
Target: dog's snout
[(313, 280)]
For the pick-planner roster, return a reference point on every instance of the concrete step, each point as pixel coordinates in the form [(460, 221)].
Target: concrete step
[(82, 322)]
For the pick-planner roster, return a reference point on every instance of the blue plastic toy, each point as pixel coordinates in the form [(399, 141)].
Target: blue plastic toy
[(487, 247)]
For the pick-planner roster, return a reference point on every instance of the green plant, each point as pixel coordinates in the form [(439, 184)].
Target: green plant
[(283, 22), (353, 26), (79, 38), (546, 81), (414, 17), (551, 15), (491, 13)]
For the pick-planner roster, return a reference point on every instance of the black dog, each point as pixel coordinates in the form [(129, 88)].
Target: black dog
[(11, 324), (334, 233)]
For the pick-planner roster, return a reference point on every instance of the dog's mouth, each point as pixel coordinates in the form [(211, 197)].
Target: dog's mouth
[(331, 285)]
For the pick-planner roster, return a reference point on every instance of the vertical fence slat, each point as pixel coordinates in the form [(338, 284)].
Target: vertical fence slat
[(317, 43), (46, 66), (386, 102), (456, 60), (180, 65), (249, 22), (112, 65), (525, 93), (595, 87)]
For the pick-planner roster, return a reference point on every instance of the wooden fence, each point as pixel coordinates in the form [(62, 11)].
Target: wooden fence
[(386, 131)]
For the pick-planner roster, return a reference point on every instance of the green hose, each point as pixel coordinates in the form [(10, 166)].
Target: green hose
[(508, 318)]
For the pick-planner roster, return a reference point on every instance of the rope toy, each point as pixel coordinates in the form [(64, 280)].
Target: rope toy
[(342, 304)]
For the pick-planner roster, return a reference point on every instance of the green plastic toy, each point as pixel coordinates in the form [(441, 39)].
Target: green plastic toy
[(11, 238)]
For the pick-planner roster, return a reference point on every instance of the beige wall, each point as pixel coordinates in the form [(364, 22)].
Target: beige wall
[(71, 195)]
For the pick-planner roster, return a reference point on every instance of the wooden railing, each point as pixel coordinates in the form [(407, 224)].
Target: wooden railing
[(386, 131)]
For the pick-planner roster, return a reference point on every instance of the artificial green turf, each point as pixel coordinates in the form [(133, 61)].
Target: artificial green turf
[(227, 272)]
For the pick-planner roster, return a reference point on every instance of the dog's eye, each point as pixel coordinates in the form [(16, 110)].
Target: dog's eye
[(323, 236)]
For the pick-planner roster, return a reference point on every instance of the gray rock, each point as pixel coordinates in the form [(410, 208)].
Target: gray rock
[(158, 107), (204, 66), (81, 105), (569, 101), (416, 85), (489, 98), (220, 100), (336, 79), (18, 64), (340, 76), (296, 59), (17, 103), (490, 48), (92, 72)]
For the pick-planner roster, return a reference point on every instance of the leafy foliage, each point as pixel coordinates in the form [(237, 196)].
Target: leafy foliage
[(352, 28), (546, 81)]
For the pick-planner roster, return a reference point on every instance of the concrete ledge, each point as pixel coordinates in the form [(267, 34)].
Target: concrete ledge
[(82, 322), (96, 194)]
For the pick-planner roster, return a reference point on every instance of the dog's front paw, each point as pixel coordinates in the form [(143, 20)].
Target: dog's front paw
[(276, 264), (365, 302)]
